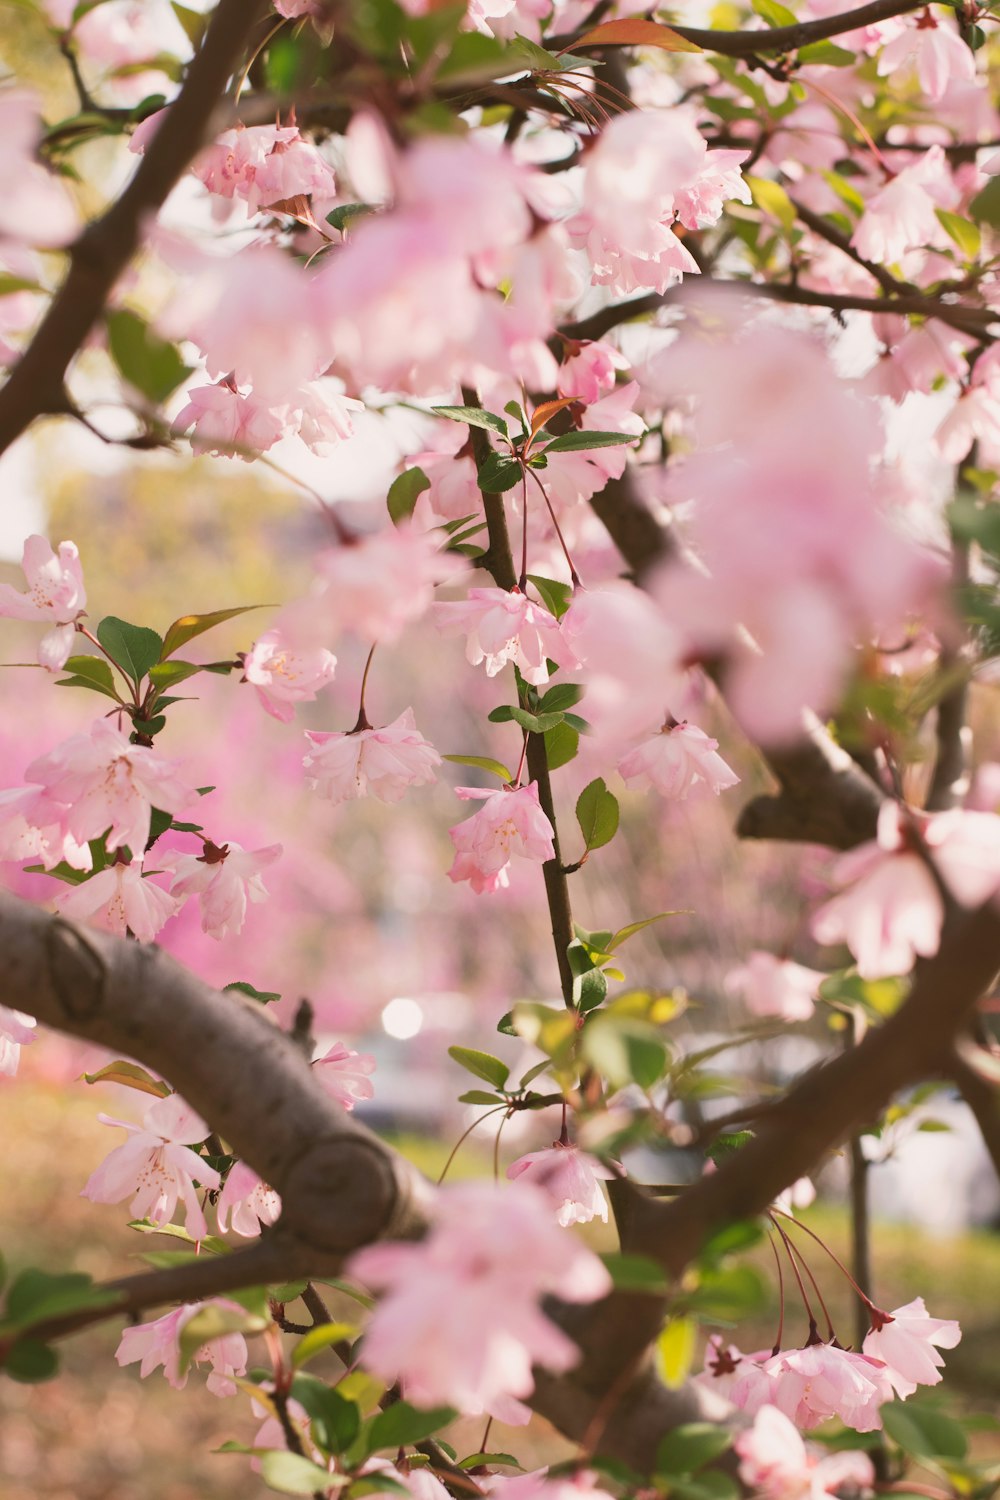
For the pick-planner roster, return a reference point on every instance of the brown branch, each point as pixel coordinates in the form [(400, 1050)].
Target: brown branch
[(833, 236), (778, 39), (104, 249)]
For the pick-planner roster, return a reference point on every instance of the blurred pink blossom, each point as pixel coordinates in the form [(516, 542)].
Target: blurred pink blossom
[(776, 1463), (158, 1343), (284, 677), (55, 594), (772, 986), (16, 1031)]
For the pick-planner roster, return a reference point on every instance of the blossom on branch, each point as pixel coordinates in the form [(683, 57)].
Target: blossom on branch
[(283, 676), (158, 1343), (570, 1177), (345, 1074), (679, 760), (55, 594), (384, 762), (156, 1167), (246, 1203), (504, 625), (510, 822), (224, 878), (120, 899), (776, 1463), (907, 1341)]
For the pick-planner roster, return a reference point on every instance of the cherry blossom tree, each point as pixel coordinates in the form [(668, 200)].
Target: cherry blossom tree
[(657, 299)]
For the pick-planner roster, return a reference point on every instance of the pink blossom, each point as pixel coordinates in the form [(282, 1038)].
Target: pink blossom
[(345, 1074), (509, 822), (580, 1485), (247, 1201), (901, 216), (158, 1343), (905, 1340), (777, 1463), (680, 759), (265, 165), (55, 593), (719, 181), (772, 986), (156, 1167), (382, 583), (121, 900), (570, 1177), (283, 676), (936, 50), (16, 1031), (383, 762), (224, 878), (589, 369), (460, 1322), (505, 626), (110, 786), (34, 206), (225, 422), (822, 1381), (121, 33), (33, 826), (739, 1378)]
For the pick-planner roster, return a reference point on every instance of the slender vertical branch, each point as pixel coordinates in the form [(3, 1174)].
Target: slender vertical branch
[(950, 780)]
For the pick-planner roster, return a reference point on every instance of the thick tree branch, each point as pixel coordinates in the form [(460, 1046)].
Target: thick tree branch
[(100, 255)]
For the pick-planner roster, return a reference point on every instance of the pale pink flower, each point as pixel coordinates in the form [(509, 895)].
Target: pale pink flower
[(822, 1381), (121, 33), (120, 900), (156, 1167), (246, 1203), (505, 626), (679, 760), (900, 216), (55, 593), (110, 786), (772, 986), (16, 1031), (905, 1340), (382, 583), (580, 1485), (509, 822), (588, 372), (737, 1377), (283, 676), (224, 878), (345, 1075), (570, 1177), (158, 1343), (225, 422), (383, 762), (33, 826), (265, 165), (460, 1322), (776, 1463), (34, 205), (935, 49), (719, 181), (574, 477)]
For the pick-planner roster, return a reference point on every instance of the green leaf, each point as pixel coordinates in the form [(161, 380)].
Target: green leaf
[(404, 492), (561, 745), (771, 198), (727, 1294), (496, 473), (291, 1474), (713, 1484), (335, 1420), (264, 996), (635, 1273), (482, 1064), (473, 416), (34, 1296), (625, 1050), (211, 1322), (506, 1026), (484, 763), (560, 696), (343, 216), (401, 1425), (690, 1447), (151, 364), (827, 53), (474, 58), (148, 727), (133, 647), (193, 22), (288, 1291), (378, 1485), (30, 1362), (188, 626), (624, 933), (774, 13), (589, 990), (494, 1460), (164, 674), (132, 1076), (964, 233), (479, 1096), (557, 597), (675, 1350), (576, 442), (597, 814), (985, 206), (924, 1432), (534, 723), (92, 672)]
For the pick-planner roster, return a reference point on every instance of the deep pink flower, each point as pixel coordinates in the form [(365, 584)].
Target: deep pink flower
[(383, 762), (680, 759), (907, 1340), (55, 594), (505, 626), (460, 1322), (246, 1203), (345, 1074), (570, 1177), (156, 1167), (158, 1343), (224, 878), (509, 822)]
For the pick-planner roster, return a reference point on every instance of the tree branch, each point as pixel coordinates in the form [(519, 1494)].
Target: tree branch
[(104, 249)]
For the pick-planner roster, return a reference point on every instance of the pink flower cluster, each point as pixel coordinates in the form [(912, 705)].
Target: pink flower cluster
[(459, 1323), (158, 1343), (776, 1463)]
